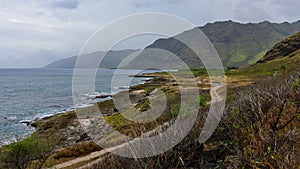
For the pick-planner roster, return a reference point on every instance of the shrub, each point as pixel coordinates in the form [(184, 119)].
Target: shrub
[(262, 124), (28, 153)]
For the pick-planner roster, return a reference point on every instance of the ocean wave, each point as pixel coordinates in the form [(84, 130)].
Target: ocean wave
[(82, 106), (11, 118), (126, 87), (97, 95), (7, 141), (122, 88)]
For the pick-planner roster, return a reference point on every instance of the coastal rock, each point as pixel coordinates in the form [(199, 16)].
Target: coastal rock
[(103, 96), (26, 122)]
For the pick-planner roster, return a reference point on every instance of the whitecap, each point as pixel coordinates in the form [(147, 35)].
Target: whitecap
[(11, 118)]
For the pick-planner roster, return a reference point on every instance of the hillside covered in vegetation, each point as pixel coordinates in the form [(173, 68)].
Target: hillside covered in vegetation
[(238, 44), (288, 47)]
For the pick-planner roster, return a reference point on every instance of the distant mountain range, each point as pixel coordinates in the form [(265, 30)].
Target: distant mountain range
[(238, 45), (111, 60)]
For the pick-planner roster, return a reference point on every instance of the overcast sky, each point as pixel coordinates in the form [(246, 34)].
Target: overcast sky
[(36, 32)]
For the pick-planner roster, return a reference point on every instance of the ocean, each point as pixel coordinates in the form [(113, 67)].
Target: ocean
[(28, 94)]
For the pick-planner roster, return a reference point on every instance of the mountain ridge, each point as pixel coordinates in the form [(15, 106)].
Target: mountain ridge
[(107, 62), (238, 44)]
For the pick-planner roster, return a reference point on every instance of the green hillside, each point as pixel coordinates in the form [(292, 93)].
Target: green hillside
[(237, 44), (284, 56), (284, 48)]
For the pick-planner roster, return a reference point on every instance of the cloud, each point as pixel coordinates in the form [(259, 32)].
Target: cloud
[(63, 26), (256, 11), (27, 58), (178, 1), (143, 3), (155, 3), (66, 4), (271, 10), (288, 9)]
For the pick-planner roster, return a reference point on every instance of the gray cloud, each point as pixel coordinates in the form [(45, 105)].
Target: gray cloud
[(272, 10), (288, 9), (255, 11), (155, 3), (66, 4), (54, 25), (143, 4), (178, 1)]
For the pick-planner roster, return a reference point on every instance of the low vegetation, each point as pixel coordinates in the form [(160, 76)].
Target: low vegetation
[(74, 151), (29, 153), (260, 129), (262, 125)]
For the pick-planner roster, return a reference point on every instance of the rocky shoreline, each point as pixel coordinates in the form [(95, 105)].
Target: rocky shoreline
[(66, 126)]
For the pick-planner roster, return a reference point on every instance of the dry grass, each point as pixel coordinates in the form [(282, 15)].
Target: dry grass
[(74, 151)]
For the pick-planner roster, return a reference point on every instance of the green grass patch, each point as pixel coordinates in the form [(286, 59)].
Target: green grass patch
[(268, 68), (116, 120), (257, 57)]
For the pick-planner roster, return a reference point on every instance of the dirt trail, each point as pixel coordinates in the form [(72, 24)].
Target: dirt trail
[(95, 157)]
